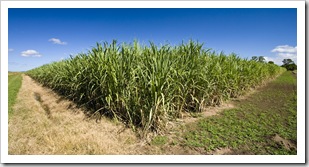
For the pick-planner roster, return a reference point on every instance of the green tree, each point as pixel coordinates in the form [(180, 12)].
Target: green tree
[(288, 61), (254, 58), (291, 67), (271, 62), (289, 64), (261, 59)]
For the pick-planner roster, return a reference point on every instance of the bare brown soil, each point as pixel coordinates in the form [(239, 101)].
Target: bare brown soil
[(287, 144)]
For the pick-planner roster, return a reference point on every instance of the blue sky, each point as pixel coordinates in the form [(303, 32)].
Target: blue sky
[(41, 36)]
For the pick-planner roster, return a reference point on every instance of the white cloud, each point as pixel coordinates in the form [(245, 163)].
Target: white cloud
[(288, 55), (30, 53), (57, 41), (285, 49), (284, 52), (11, 50)]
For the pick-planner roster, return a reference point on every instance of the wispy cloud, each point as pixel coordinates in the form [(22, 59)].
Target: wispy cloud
[(284, 52), (57, 41), (11, 49), (285, 49), (30, 53)]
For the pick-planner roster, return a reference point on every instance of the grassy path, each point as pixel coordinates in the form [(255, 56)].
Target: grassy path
[(265, 123), (15, 80)]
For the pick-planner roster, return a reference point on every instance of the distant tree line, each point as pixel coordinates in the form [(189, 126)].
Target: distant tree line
[(287, 63)]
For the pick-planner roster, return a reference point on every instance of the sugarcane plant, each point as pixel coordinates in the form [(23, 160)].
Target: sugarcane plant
[(147, 86)]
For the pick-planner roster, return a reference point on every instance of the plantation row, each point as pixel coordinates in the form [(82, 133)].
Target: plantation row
[(146, 86)]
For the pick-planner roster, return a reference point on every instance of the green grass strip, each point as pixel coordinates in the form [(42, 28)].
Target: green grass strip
[(14, 86), (250, 127)]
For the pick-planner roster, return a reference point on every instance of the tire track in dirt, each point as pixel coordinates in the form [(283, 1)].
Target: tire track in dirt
[(38, 98)]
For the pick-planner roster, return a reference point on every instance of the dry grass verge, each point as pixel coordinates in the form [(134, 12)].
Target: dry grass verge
[(62, 130)]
